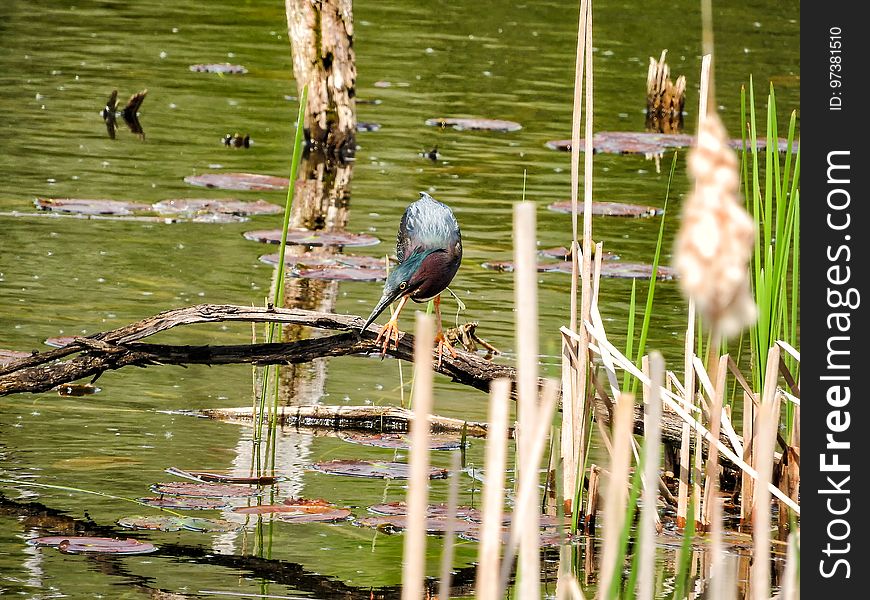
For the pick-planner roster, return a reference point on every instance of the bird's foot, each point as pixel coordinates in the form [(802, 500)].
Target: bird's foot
[(388, 334), (442, 346)]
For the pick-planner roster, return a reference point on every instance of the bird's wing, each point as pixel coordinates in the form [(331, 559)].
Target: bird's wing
[(404, 239)]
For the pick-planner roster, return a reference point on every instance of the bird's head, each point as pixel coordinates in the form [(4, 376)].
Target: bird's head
[(403, 280)]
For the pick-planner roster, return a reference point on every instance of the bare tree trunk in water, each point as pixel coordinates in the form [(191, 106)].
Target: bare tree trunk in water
[(321, 34), (321, 37)]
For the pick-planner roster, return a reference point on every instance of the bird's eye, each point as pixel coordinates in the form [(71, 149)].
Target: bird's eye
[(403, 285)]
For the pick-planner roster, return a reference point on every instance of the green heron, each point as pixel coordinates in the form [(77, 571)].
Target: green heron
[(429, 249)]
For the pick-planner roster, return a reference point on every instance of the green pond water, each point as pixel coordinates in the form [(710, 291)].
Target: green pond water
[(60, 60)]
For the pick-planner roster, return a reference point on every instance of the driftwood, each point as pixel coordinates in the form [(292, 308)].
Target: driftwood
[(120, 347), (93, 355)]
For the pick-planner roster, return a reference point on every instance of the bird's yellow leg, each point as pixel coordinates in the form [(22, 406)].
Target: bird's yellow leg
[(440, 339), (390, 331)]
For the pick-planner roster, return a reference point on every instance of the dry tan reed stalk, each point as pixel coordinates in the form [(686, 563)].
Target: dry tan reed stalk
[(654, 365), (723, 585), (790, 589), (447, 550), (747, 485), (576, 376), (493, 491), (682, 412), (711, 480), (414, 552), (768, 424), (526, 510), (592, 499), (526, 303), (725, 421), (616, 492)]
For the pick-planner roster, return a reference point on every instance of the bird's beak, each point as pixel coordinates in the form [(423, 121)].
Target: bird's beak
[(388, 297)]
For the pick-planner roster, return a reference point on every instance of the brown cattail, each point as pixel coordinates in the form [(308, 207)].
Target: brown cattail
[(716, 236)]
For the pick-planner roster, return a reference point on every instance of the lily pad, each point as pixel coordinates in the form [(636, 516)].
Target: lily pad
[(624, 270), (210, 525), (60, 341), (549, 537), (8, 356), (399, 440), (204, 206), (341, 273), (154, 522), (644, 142), (76, 544), (609, 268), (310, 261), (397, 523), (90, 207), (609, 209), (223, 68), (307, 237), (239, 181), (204, 490), (432, 510), (184, 503), (462, 124), (372, 469), (300, 510)]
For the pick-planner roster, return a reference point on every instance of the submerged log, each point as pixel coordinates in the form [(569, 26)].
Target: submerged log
[(382, 419)]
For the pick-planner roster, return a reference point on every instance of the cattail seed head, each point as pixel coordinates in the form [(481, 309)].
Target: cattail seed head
[(716, 236)]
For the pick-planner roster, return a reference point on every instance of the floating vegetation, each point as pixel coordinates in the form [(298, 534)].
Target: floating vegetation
[(648, 143), (307, 237), (341, 273), (611, 268), (211, 525), (185, 503), (8, 356), (549, 538), (311, 261), (397, 523), (77, 544), (372, 469), (90, 207), (300, 510), (222, 68), (60, 341), (199, 206), (154, 523), (432, 510), (238, 181), (206, 490), (461, 124), (610, 209), (399, 440), (77, 389)]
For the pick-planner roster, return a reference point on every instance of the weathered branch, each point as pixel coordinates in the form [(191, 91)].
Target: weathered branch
[(121, 347)]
